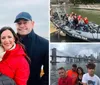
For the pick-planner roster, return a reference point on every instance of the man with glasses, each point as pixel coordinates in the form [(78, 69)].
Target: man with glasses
[(36, 48)]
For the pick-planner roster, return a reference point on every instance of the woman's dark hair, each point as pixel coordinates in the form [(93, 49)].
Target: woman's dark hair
[(80, 69), (16, 40)]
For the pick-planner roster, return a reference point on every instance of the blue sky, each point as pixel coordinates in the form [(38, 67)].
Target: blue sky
[(39, 9)]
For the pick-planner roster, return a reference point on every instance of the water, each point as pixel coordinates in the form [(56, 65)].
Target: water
[(54, 38), (54, 74), (93, 16)]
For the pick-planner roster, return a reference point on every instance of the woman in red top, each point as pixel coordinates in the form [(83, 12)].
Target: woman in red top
[(14, 63)]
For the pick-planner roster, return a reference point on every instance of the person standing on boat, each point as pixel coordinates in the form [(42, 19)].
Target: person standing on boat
[(73, 74), (37, 49), (64, 79)]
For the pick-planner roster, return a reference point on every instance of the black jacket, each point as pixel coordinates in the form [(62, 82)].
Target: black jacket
[(37, 49)]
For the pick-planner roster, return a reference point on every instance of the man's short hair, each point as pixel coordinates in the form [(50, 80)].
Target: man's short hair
[(74, 65), (91, 66), (61, 68)]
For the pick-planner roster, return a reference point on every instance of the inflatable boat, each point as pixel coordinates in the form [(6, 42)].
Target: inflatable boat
[(91, 32)]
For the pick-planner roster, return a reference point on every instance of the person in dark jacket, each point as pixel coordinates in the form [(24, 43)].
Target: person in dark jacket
[(36, 48)]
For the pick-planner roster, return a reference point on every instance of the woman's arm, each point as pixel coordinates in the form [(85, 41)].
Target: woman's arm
[(22, 72)]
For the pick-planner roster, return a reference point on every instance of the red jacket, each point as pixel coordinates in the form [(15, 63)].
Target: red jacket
[(86, 21), (15, 66), (65, 81)]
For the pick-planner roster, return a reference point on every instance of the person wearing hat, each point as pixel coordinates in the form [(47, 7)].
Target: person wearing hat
[(37, 48)]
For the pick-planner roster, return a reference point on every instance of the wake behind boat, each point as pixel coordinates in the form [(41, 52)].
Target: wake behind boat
[(88, 32)]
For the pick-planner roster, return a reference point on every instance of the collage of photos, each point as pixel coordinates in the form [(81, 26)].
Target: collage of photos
[(74, 64), (74, 51), (24, 42), (49, 42), (74, 21)]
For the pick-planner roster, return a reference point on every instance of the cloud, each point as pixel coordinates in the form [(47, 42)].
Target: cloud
[(22, 3), (76, 49), (86, 52), (39, 10)]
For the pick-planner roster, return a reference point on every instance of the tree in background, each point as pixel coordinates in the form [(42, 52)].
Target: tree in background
[(83, 1)]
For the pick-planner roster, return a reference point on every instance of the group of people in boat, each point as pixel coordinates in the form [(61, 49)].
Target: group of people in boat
[(76, 21)]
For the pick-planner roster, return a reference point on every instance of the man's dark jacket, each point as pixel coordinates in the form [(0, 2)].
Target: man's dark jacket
[(37, 49)]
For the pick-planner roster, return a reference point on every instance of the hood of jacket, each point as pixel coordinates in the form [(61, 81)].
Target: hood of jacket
[(17, 51)]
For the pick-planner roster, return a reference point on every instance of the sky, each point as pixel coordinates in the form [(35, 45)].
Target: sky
[(39, 10), (76, 49)]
